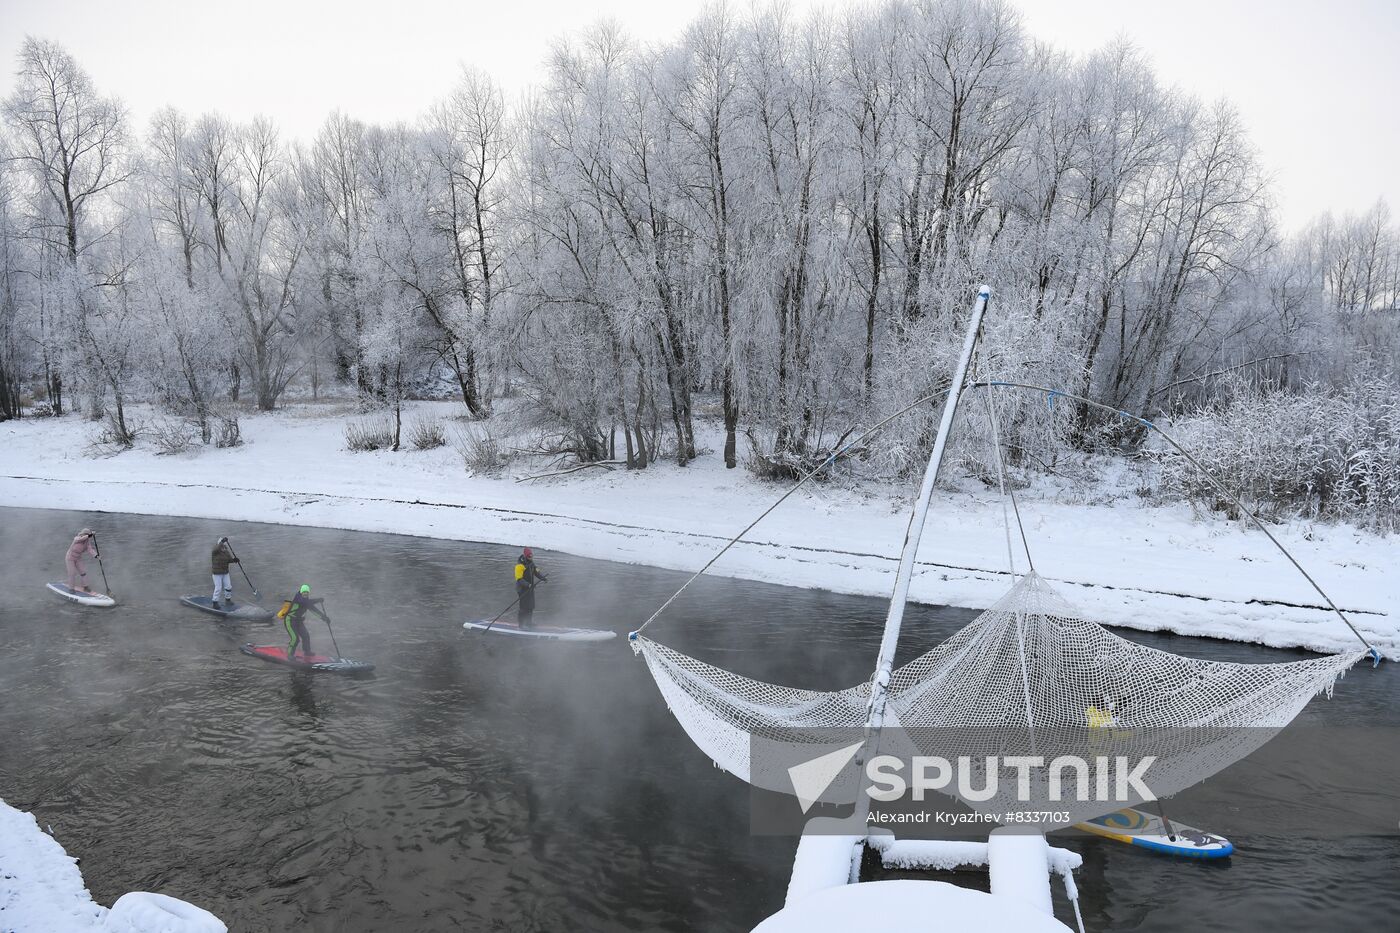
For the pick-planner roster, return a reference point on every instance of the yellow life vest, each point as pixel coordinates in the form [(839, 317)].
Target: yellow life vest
[(519, 571), (1101, 723), (1098, 718), (286, 608)]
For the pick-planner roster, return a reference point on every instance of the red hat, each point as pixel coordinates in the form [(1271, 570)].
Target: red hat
[(528, 553)]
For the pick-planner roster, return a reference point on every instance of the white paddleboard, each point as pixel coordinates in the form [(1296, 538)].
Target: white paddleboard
[(544, 632), (1147, 831), (86, 599)]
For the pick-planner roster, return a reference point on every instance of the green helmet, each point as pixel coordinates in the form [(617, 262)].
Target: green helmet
[(306, 588)]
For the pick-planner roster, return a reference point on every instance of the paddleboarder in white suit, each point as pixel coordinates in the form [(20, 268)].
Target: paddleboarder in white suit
[(223, 583)]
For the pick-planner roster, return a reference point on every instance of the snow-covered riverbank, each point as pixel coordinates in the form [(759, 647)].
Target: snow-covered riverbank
[(42, 891), (41, 888), (1126, 564)]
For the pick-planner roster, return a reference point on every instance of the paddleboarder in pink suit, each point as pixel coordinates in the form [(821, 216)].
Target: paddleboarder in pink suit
[(83, 546)]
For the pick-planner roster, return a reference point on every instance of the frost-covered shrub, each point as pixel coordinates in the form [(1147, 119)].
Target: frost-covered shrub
[(790, 466), (227, 432), (426, 433), (1323, 453), (480, 450), (113, 437), (373, 433), (172, 435)]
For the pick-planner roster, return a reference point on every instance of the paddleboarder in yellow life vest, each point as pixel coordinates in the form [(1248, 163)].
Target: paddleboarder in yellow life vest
[(526, 574), (293, 615)]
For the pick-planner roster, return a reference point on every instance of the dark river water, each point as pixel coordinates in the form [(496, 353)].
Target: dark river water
[(477, 783)]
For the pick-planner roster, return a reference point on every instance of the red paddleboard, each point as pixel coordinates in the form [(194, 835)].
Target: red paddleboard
[(277, 654)]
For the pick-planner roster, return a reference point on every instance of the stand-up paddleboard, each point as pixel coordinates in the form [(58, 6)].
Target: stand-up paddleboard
[(86, 599), (277, 654), (545, 632), (239, 612), (1147, 831)]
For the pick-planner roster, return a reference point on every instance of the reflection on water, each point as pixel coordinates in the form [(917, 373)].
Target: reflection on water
[(474, 782)]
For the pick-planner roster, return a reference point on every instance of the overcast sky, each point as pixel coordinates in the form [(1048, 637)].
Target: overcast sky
[(1316, 80)]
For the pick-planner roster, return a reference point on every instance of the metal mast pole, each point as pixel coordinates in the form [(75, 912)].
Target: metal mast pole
[(884, 662)]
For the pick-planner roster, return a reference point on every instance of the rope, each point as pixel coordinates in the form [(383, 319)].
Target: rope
[(1216, 482), (1006, 493), (1071, 894), (1078, 917), (632, 636), (1001, 483), (1011, 565)]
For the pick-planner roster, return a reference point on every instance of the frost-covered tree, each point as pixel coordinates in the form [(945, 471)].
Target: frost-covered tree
[(469, 145), (333, 180), (15, 284), (71, 141), (243, 175)]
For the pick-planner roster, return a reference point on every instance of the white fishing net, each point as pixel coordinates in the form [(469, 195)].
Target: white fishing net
[(1028, 676)]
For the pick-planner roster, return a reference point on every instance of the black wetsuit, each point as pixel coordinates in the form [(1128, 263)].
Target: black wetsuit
[(526, 573)]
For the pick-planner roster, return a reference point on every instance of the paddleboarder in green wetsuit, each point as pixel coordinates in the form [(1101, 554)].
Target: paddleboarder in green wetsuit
[(294, 616), (526, 573)]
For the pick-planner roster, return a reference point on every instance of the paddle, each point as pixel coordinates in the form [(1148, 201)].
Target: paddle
[(507, 609), (105, 585), (501, 613), (243, 570), (327, 617), (1171, 833)]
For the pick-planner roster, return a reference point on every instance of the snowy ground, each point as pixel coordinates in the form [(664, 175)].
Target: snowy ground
[(1124, 563), (41, 888)]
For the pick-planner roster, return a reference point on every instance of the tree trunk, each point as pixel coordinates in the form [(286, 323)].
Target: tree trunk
[(9, 396), (471, 396), (121, 417), (731, 403), (872, 301), (398, 405)]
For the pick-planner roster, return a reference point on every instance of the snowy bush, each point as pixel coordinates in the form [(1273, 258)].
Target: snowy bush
[(426, 433), (480, 450), (1322, 453), (113, 437), (788, 466), (228, 433), (373, 433), (173, 435)]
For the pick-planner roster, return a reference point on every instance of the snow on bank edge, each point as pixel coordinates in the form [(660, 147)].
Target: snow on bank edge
[(41, 888)]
